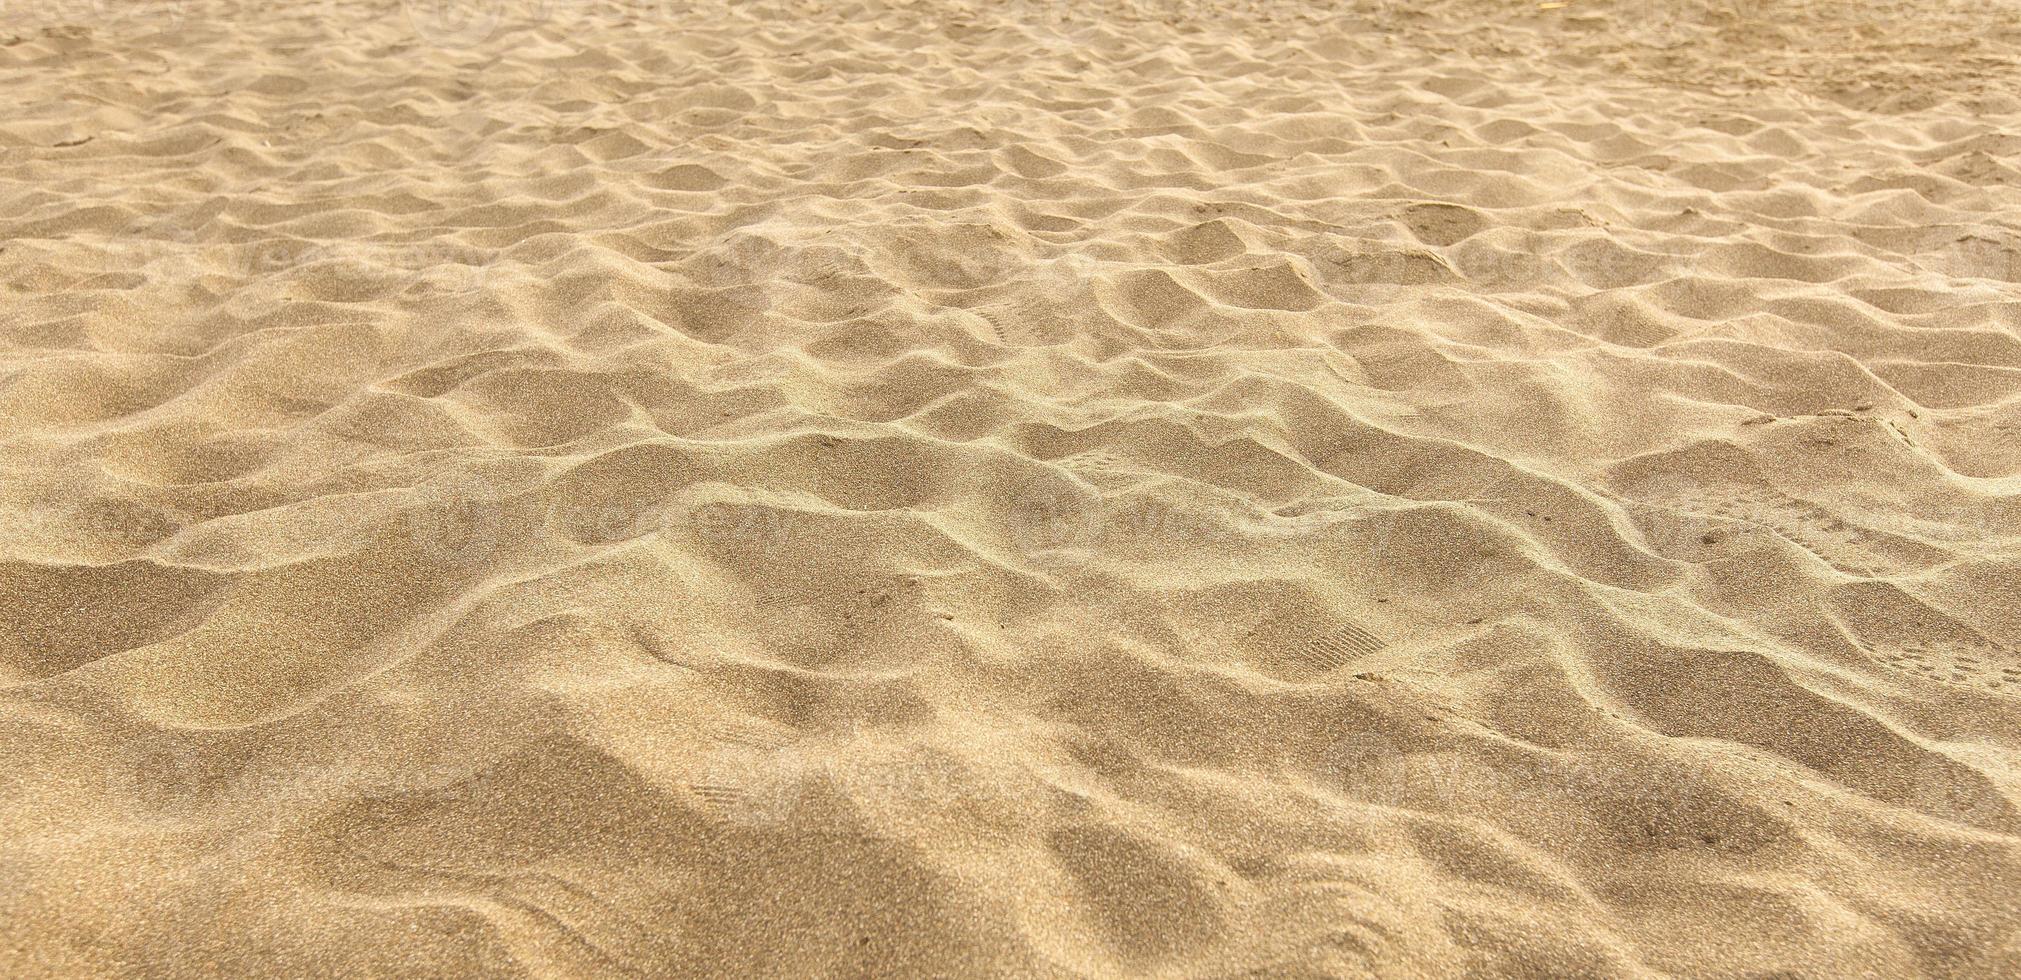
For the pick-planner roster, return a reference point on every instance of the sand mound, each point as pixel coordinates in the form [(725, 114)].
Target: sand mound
[(1057, 490)]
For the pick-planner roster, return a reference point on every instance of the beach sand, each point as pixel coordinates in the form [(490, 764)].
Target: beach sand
[(1271, 489)]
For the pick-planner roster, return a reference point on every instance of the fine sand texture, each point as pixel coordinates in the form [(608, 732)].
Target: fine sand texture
[(571, 488)]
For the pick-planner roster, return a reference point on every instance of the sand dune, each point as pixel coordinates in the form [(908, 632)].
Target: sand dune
[(1273, 489)]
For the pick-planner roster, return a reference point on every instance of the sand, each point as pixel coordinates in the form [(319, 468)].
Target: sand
[(1289, 489)]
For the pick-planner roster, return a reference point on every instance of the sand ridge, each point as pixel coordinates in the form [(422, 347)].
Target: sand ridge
[(938, 489)]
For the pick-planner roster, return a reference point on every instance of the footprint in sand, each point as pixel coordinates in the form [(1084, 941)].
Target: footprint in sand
[(1974, 663), (1092, 461), (1337, 649), (1686, 521), (1041, 321), (2005, 437), (751, 774), (1373, 767), (1297, 650), (1838, 544), (1102, 469)]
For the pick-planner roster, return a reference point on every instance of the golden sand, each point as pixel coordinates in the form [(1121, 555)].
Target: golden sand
[(1089, 489)]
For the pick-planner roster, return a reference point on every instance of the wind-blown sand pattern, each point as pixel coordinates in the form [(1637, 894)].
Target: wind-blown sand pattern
[(934, 490)]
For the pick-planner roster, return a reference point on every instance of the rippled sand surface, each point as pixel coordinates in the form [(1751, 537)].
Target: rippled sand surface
[(1284, 490)]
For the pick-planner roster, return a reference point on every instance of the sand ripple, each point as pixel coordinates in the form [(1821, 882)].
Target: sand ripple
[(1053, 490)]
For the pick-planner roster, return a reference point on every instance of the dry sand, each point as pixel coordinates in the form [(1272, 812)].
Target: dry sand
[(1076, 490)]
